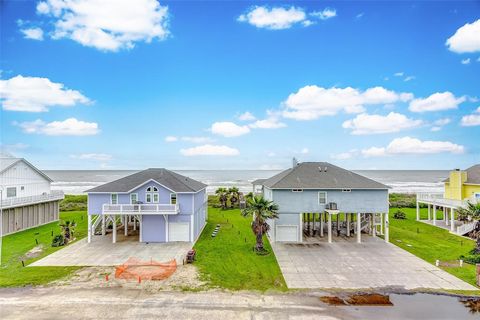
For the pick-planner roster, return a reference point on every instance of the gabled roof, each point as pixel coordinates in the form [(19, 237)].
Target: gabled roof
[(8, 162), (320, 175), (473, 175), (169, 179)]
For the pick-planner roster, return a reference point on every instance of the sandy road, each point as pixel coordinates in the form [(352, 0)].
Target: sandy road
[(119, 303)]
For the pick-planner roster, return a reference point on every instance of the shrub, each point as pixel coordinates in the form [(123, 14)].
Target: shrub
[(74, 203), (472, 257), (399, 215), (58, 241)]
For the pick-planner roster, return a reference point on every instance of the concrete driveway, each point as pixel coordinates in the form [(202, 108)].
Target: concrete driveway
[(344, 264), (102, 252)]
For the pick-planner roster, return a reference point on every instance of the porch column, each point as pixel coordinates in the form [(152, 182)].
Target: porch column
[(140, 229), (313, 229), (434, 215), (329, 228), (359, 227), (418, 211), (429, 213), (126, 225), (348, 224), (387, 228), (374, 231), (381, 224), (321, 224), (452, 220), (114, 230), (445, 216), (103, 225), (89, 232), (134, 218)]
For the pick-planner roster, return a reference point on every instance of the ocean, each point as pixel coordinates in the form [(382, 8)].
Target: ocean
[(401, 181)]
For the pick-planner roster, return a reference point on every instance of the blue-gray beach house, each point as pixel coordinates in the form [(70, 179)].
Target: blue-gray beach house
[(163, 205), (317, 197)]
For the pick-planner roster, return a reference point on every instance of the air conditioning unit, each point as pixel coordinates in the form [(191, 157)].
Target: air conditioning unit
[(332, 206)]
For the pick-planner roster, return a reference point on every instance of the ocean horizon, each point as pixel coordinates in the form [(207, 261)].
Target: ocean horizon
[(400, 181)]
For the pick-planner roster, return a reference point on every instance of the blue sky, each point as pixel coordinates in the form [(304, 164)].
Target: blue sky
[(361, 84)]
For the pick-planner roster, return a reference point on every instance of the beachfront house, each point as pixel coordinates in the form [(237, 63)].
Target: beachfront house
[(157, 204), (318, 198), (26, 199), (461, 187)]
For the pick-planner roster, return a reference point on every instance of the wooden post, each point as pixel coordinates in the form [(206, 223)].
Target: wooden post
[(103, 225), (313, 231), (434, 215), (418, 211), (359, 227), (452, 220), (321, 224), (89, 232), (429, 213), (348, 224), (374, 231), (114, 230), (329, 228)]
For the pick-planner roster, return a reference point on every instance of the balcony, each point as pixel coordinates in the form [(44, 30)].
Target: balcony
[(438, 200), (141, 208), (25, 201)]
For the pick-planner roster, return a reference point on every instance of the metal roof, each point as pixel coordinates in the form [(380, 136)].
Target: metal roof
[(171, 180), (473, 175), (320, 175)]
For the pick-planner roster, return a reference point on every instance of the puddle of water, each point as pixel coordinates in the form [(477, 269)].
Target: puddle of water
[(403, 306)]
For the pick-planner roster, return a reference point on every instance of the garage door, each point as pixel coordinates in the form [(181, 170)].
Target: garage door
[(287, 234), (179, 231)]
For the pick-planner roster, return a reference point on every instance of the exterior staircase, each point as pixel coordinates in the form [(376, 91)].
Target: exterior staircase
[(465, 228)]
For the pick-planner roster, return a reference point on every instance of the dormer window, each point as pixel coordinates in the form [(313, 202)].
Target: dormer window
[(152, 195)]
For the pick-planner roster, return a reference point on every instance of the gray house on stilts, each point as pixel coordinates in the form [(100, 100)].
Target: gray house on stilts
[(318, 199)]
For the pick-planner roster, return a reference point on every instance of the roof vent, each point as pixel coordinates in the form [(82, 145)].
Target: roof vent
[(325, 169), (294, 162)]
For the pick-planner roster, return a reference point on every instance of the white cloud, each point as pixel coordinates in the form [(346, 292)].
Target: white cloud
[(246, 116), (34, 94), (276, 18), (466, 39), (471, 119), (409, 78), (374, 124), (465, 61), (442, 122), (271, 154), (92, 156), (229, 129), (210, 150), (326, 14), (435, 129), (197, 139), (68, 127), (107, 25), (436, 102), (408, 145), (399, 74), (271, 122), (171, 139), (33, 33), (304, 151), (360, 15), (344, 155), (312, 102)]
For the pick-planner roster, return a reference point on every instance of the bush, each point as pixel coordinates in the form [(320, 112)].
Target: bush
[(404, 200), (472, 257), (58, 241), (399, 215), (74, 203)]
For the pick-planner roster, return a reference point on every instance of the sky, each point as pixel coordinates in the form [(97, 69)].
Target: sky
[(240, 85)]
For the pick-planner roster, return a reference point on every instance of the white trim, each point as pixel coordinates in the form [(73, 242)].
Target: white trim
[(300, 233), (326, 197)]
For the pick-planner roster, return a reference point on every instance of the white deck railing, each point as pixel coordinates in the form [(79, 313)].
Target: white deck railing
[(24, 201), (466, 228), (438, 199), (141, 208)]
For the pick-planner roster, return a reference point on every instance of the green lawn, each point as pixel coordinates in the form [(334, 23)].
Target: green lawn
[(228, 261), (14, 247), (431, 243)]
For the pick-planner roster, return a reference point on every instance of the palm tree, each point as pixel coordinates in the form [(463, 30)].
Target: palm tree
[(222, 196), (67, 230), (234, 195), (472, 212), (261, 209)]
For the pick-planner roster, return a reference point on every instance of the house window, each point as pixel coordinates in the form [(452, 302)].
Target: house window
[(297, 190), (11, 192), (173, 198), (133, 198), (114, 198), (152, 195), (346, 190), (22, 188), (322, 197)]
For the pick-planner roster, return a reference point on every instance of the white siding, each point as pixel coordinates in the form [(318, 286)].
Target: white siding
[(22, 175)]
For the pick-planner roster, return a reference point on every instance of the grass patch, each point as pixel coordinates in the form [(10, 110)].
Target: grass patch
[(431, 243), (228, 261), (16, 246), (74, 203)]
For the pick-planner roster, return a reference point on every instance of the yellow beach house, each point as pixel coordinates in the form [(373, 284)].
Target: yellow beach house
[(461, 187)]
